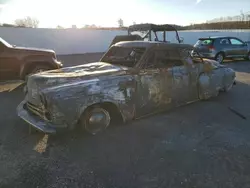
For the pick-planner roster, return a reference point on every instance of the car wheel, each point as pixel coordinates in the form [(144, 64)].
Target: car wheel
[(219, 57), (95, 120), (248, 56)]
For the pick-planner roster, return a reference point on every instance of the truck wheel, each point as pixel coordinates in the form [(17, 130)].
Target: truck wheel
[(95, 120), (37, 69)]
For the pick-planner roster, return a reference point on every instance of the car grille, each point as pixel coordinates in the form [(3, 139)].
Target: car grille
[(36, 110)]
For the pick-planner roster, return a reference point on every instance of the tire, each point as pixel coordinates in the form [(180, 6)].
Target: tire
[(248, 56), (95, 127), (36, 69), (220, 57)]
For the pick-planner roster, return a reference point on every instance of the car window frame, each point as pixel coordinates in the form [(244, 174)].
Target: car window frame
[(204, 39), (103, 58), (228, 39)]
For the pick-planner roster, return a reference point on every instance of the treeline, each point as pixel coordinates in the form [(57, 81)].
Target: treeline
[(203, 26), (218, 25)]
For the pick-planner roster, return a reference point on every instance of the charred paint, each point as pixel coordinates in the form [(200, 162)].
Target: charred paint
[(63, 95)]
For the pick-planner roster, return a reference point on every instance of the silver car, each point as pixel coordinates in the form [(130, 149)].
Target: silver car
[(220, 48)]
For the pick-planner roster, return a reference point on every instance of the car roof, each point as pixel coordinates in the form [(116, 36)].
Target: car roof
[(149, 44), (215, 37)]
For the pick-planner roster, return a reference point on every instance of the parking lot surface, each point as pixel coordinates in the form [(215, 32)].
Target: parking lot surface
[(204, 144)]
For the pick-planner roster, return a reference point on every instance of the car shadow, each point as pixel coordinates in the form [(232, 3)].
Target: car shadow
[(145, 129), (43, 144), (165, 138)]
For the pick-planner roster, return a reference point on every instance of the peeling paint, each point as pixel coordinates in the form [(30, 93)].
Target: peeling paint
[(136, 89)]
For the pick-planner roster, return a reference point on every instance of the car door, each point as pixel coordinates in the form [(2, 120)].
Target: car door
[(224, 45), (2, 65), (185, 74), (154, 84), (239, 48)]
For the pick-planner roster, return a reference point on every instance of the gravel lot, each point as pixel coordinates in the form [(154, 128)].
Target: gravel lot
[(204, 144)]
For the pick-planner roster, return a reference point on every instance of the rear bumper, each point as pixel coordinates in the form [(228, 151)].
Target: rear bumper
[(33, 120), (208, 55)]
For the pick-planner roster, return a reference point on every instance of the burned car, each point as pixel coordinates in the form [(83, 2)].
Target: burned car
[(133, 79)]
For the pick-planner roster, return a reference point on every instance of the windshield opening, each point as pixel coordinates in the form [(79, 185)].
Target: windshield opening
[(5, 43), (143, 34), (123, 56)]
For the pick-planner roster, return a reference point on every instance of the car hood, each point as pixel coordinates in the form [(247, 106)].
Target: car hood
[(82, 73), (33, 49)]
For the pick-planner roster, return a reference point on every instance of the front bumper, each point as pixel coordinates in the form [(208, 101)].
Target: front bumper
[(33, 120)]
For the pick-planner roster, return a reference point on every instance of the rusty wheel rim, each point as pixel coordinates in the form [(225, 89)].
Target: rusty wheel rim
[(219, 58), (97, 120)]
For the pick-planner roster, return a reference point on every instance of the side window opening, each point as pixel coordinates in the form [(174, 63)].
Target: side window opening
[(235, 42), (224, 41), (124, 56), (164, 59)]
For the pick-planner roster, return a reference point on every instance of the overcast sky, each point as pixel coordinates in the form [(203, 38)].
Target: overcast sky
[(51, 13)]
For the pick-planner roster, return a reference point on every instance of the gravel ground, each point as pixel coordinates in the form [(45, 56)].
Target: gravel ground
[(204, 144)]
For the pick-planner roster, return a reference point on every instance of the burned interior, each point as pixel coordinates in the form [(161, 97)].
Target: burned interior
[(125, 56)]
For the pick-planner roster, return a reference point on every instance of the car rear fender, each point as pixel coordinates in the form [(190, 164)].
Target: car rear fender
[(209, 83)]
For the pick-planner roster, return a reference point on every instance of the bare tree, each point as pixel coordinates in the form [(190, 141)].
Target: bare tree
[(59, 27), (120, 22), (27, 22)]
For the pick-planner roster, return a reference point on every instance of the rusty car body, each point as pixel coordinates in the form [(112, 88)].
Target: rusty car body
[(133, 79)]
